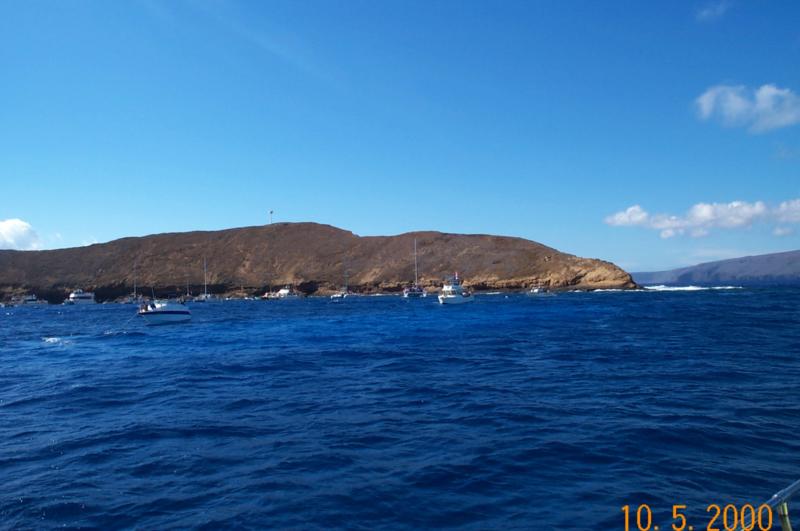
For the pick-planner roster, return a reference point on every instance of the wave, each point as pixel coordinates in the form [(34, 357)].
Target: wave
[(662, 287)]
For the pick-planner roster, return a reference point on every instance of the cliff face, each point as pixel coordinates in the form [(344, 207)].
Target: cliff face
[(308, 255), (760, 270)]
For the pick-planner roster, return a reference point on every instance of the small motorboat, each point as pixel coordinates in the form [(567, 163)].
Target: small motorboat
[(454, 293), (538, 291), (340, 295), (413, 292), (164, 312)]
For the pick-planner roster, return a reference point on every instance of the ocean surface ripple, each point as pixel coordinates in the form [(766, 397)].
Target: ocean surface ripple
[(512, 412)]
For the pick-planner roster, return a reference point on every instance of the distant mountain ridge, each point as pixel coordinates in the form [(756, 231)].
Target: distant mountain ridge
[(760, 270), (310, 256)]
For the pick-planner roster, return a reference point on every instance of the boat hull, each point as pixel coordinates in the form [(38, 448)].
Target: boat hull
[(413, 294), (455, 299), (158, 317)]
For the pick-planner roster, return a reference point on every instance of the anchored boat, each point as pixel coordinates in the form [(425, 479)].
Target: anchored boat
[(205, 296), (454, 293), (538, 291), (288, 293), (344, 292), (80, 297), (414, 291)]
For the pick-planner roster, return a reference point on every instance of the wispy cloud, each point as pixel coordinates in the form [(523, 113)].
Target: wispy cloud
[(712, 11), (784, 152), (702, 218), (278, 43), (789, 211), (18, 234), (759, 110)]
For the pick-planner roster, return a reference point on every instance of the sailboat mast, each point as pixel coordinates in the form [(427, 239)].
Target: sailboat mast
[(135, 263), (416, 280), (205, 278)]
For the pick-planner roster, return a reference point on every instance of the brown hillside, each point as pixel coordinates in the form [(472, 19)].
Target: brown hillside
[(311, 256)]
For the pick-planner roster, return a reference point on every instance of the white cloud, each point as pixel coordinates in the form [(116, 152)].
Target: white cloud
[(789, 211), (634, 215), (701, 218), (18, 234), (712, 11), (763, 109), (782, 231)]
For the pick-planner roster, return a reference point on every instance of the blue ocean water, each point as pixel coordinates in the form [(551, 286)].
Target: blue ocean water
[(512, 412)]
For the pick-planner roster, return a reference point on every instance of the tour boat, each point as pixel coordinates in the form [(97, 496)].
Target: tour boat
[(80, 297), (453, 292), (27, 300), (414, 291), (287, 293), (164, 312)]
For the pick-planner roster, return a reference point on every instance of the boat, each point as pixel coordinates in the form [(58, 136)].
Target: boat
[(453, 292), (27, 300), (287, 293), (205, 296), (415, 291), (80, 297), (538, 291), (164, 312), (342, 293), (134, 298)]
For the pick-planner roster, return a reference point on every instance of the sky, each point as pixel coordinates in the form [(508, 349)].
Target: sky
[(651, 134)]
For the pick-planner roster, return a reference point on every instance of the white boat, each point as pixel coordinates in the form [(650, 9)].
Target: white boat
[(205, 296), (287, 293), (538, 291), (134, 298), (27, 300), (80, 297), (342, 293), (414, 291), (164, 312), (453, 292)]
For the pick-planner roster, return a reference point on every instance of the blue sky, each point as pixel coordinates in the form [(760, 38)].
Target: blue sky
[(594, 127)]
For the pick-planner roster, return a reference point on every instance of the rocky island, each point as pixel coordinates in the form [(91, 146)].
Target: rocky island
[(312, 257)]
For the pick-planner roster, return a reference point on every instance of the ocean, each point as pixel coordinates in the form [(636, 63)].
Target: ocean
[(513, 412)]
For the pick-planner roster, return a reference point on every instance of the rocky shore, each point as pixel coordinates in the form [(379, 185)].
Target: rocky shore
[(313, 258)]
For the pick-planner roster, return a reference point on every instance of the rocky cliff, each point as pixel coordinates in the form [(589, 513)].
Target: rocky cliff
[(315, 258)]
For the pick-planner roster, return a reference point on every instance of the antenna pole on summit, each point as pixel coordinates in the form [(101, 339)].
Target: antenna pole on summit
[(270, 216)]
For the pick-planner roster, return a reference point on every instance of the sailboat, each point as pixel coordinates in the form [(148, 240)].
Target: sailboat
[(415, 291), (135, 298), (206, 296), (344, 292)]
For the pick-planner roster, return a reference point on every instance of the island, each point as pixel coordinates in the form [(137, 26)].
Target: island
[(313, 258)]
